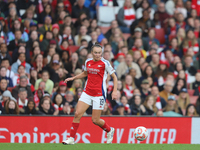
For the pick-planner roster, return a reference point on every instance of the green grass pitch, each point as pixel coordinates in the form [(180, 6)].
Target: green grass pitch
[(17, 146)]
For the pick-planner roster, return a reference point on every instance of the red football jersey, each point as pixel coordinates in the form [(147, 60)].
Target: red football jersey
[(97, 75)]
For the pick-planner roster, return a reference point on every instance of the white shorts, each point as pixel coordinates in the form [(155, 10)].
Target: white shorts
[(97, 102)]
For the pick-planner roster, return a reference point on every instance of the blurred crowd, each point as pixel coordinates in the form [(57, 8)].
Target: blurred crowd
[(42, 42)]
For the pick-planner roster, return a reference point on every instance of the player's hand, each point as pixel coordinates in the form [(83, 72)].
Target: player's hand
[(69, 79), (114, 95)]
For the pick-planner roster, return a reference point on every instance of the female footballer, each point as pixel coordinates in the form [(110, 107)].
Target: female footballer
[(94, 93)]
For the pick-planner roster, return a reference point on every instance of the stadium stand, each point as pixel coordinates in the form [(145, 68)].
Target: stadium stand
[(152, 45)]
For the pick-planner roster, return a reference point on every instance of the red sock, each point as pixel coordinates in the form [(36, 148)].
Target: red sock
[(106, 127), (73, 129)]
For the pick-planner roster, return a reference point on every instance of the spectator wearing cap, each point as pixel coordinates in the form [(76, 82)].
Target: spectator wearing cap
[(62, 89), (119, 109), (56, 35), (4, 53), (172, 105), (123, 67), (162, 72), (21, 61), (168, 87), (126, 16), (145, 89), (47, 25), (33, 26), (6, 96), (54, 44), (22, 98), (17, 26), (183, 99), (22, 84), (120, 57), (137, 34), (80, 8), (48, 83)]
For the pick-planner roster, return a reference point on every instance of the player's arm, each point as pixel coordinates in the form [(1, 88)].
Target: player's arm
[(79, 76), (114, 93)]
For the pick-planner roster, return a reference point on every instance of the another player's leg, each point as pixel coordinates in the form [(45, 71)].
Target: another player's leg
[(80, 110), (102, 124)]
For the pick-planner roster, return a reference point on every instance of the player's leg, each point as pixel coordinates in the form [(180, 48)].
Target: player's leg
[(98, 105), (81, 107), (100, 122), (80, 110)]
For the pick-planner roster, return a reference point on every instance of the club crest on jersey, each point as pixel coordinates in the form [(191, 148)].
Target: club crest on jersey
[(89, 65), (99, 65)]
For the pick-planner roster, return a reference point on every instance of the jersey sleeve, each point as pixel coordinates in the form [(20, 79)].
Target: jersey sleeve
[(109, 68), (85, 67)]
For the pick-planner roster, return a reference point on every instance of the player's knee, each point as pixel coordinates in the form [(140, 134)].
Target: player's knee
[(77, 114), (95, 121)]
